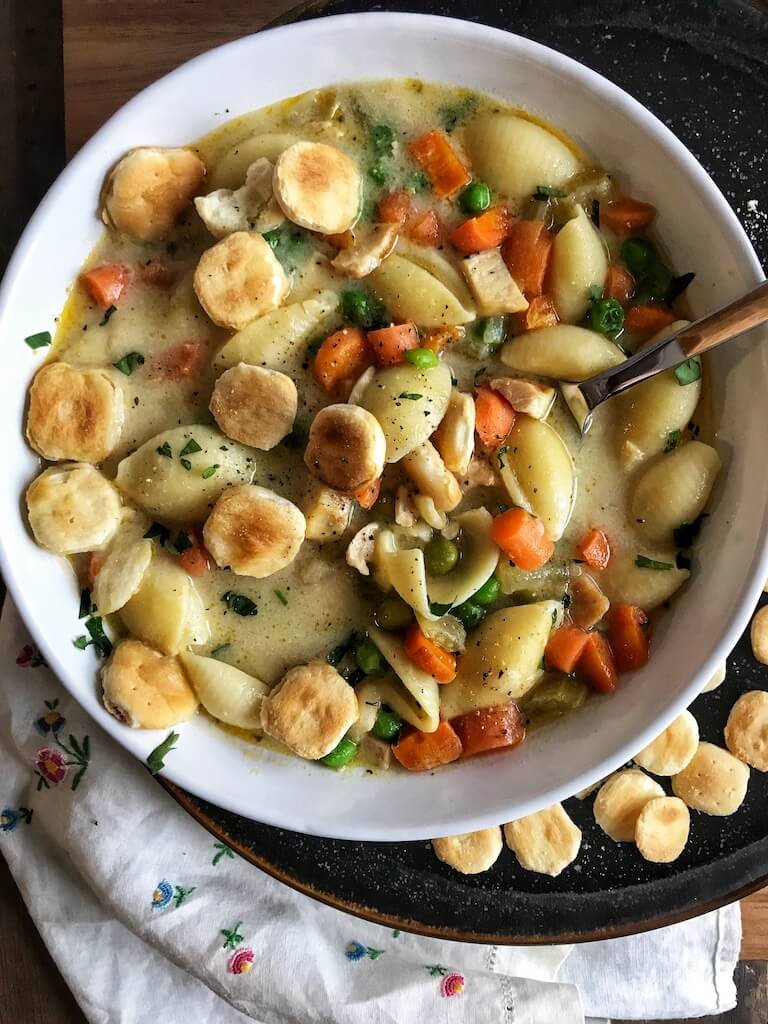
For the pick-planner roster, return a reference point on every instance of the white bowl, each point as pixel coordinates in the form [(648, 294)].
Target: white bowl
[(703, 235)]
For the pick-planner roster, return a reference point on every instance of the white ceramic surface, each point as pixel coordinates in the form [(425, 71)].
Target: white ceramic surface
[(703, 235)]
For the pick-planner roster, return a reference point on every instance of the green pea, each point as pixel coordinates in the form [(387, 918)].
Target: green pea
[(341, 754), (393, 613), (475, 198), (422, 358), (607, 316), (639, 254), (488, 593), (440, 556), (368, 657), (469, 613), (387, 725)]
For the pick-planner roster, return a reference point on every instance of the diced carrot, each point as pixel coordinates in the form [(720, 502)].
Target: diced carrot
[(389, 344), (180, 362), (195, 561), (429, 656), (425, 228), (421, 751), (95, 563), (596, 664), (494, 418), (343, 355), (394, 208), (522, 539), (594, 549), (647, 319), (541, 312), (526, 252), (619, 284), (485, 231), (342, 240), (436, 156), (626, 216), (564, 648), (630, 643), (437, 338), (106, 284), (158, 272), (490, 728), (366, 497)]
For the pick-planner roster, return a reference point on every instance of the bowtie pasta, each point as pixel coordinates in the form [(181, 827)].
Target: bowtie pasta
[(305, 447)]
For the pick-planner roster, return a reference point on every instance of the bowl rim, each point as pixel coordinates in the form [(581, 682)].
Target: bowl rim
[(612, 96)]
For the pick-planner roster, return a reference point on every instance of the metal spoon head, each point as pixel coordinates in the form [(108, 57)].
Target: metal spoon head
[(578, 405)]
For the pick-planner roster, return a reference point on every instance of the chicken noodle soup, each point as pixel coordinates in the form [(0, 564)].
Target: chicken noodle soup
[(306, 446)]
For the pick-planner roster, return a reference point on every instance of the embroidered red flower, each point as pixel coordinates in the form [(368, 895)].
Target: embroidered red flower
[(50, 766), (452, 985), (242, 961)]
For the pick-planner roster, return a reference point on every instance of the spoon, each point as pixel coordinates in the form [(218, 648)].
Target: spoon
[(739, 316)]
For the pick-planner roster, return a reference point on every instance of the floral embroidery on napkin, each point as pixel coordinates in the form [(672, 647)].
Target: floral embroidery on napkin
[(10, 818), (50, 768), (30, 657), (52, 720), (452, 985), (232, 937), (223, 851), (162, 895), (242, 961), (356, 951), (165, 893)]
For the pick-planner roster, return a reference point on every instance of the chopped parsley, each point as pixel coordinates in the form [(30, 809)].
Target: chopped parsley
[(548, 192), (186, 464), (239, 603), (673, 439), (98, 638), (416, 181), (280, 597), (129, 363), (410, 395), (40, 340), (190, 448), (687, 372), (165, 449), (155, 762), (643, 562), (452, 117), (378, 173), (290, 246), (382, 140), (107, 316), (208, 473)]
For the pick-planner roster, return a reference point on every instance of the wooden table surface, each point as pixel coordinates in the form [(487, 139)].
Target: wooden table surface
[(111, 49)]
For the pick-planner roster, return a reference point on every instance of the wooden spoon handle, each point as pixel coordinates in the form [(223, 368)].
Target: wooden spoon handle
[(749, 311)]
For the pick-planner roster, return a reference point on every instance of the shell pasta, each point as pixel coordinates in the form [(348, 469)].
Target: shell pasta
[(303, 442)]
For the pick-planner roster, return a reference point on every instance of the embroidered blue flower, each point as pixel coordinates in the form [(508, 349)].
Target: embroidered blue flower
[(51, 721), (9, 819), (162, 895), (355, 951)]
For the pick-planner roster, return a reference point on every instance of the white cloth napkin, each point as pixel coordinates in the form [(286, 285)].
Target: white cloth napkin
[(148, 917)]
